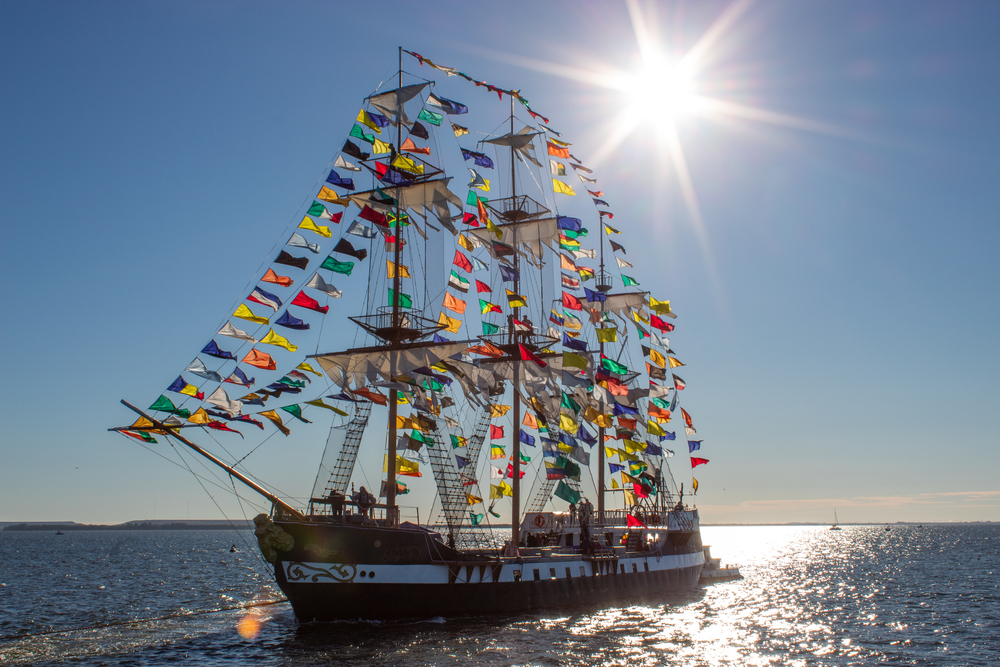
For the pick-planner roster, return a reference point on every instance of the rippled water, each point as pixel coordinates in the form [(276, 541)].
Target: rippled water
[(861, 596)]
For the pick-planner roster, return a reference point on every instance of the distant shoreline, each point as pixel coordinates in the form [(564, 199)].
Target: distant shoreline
[(211, 524)]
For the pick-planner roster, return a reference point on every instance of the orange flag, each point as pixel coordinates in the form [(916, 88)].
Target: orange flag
[(529, 420), (272, 277), (260, 360), (687, 418), (451, 303), (411, 147)]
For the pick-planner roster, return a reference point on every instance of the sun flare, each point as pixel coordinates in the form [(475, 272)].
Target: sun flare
[(661, 89)]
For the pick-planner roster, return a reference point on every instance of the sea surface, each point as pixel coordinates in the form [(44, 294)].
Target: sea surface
[(861, 596)]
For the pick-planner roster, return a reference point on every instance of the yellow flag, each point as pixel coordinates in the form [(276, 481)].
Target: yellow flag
[(574, 360), (450, 324), (561, 187), (200, 417), (499, 410), (564, 144), (694, 483), (143, 423), (320, 404), (307, 223), (406, 164), (245, 313), (304, 366), (637, 316), (563, 447), (631, 446), (674, 363), (607, 335), (653, 428), (630, 497), (661, 307), (459, 130), (495, 492), (380, 147), (275, 419), (497, 452), (505, 488), (328, 195), (485, 185), (567, 424), (274, 339), (610, 452), (472, 500), (493, 228), (614, 484), (657, 358), (367, 121), (390, 270)]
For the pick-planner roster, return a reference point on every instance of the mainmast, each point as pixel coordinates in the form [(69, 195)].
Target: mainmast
[(390, 492), (601, 285), (515, 510)]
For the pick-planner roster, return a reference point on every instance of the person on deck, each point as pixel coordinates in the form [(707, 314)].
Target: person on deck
[(586, 511), (365, 501), (572, 513)]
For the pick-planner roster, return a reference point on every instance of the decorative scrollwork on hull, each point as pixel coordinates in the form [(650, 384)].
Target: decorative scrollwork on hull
[(301, 572)]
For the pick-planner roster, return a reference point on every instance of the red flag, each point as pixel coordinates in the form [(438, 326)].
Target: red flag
[(304, 301), (470, 219), (679, 383), (606, 213), (373, 396), (625, 422), (371, 215), (695, 461), (482, 287), (510, 471), (641, 490), (496, 432), (528, 355), (219, 426), (462, 262), (571, 302), (487, 349), (687, 418), (632, 522), (660, 324)]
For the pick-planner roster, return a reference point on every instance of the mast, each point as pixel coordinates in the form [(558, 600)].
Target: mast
[(515, 500), (600, 430), (390, 492), (278, 502)]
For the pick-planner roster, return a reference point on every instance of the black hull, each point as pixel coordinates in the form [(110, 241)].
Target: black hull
[(330, 602), (412, 576)]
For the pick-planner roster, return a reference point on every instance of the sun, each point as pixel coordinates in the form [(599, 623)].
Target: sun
[(660, 89)]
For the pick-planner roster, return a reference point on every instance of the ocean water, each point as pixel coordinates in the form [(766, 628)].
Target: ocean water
[(810, 596)]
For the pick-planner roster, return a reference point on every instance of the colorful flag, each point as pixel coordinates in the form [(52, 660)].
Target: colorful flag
[(462, 262), (695, 461), (274, 339), (458, 282), (303, 301), (628, 281), (450, 324), (557, 151), (260, 360), (336, 179), (515, 300), (561, 188), (309, 225), (405, 300), (487, 307), (265, 299), (571, 302), (496, 432), (557, 168), (272, 277), (244, 313), (430, 117), (528, 355), (335, 265), (453, 304)]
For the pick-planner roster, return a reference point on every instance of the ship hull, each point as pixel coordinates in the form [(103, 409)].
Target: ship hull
[(410, 575)]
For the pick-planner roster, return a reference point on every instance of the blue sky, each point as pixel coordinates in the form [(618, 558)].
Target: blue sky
[(836, 288)]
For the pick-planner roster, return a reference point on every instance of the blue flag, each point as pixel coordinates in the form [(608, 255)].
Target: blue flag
[(289, 321), (508, 273), (620, 409), (694, 445), (669, 436), (335, 178), (574, 343), (615, 468), (653, 450), (214, 350), (480, 158), (527, 439), (572, 224), (594, 297)]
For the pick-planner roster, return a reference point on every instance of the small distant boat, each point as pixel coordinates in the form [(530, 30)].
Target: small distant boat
[(59, 532), (232, 549), (714, 571), (887, 529), (836, 522)]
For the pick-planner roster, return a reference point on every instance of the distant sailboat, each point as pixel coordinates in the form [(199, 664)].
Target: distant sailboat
[(836, 523)]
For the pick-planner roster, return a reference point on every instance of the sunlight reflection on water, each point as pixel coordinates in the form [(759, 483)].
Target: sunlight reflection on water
[(810, 596)]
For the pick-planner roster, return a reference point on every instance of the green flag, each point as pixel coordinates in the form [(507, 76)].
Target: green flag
[(572, 469), (629, 282), (296, 411), (316, 209), (524, 459), (476, 519), (426, 439), (331, 264), (569, 403), (405, 300), (489, 329), (613, 366), (433, 119), (163, 404), (566, 492), (357, 133), (660, 403)]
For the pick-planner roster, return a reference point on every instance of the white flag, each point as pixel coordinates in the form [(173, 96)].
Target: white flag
[(233, 332), (221, 400), (318, 283), (344, 164)]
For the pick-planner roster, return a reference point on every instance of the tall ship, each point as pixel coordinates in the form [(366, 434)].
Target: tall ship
[(461, 304)]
